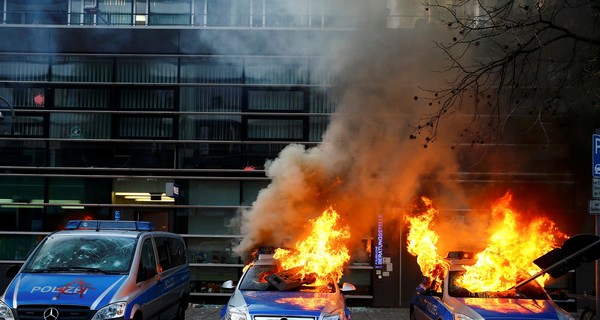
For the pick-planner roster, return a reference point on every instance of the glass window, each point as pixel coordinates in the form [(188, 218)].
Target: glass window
[(337, 14), (144, 155), (210, 128), (257, 13), (81, 98), (145, 127), (322, 72), (212, 221), (216, 193), (17, 247), (36, 12), (318, 126), (228, 12), (90, 253), (23, 125), (147, 261), (323, 102), (24, 68), (147, 70), (19, 197), (215, 99), (212, 250), (276, 71), (250, 190), (32, 97), (275, 129), (276, 100), (21, 189), (113, 12), (146, 99), (80, 125), (82, 69), (81, 153), (207, 154), (22, 153), (211, 70), (286, 13), (255, 155), (170, 12)]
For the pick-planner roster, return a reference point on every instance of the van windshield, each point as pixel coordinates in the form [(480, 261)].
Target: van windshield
[(69, 253)]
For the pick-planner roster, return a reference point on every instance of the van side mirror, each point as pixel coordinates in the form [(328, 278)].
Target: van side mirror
[(228, 285), (347, 287), (145, 274), (12, 270)]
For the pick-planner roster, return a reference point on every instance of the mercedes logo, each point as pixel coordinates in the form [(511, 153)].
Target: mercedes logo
[(51, 314)]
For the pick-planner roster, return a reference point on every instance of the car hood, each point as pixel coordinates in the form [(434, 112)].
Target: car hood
[(53, 289), (513, 308), (289, 303)]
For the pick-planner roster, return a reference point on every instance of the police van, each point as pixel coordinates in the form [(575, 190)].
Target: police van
[(98, 270)]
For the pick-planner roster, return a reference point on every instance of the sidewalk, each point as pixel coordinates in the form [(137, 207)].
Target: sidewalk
[(212, 312)]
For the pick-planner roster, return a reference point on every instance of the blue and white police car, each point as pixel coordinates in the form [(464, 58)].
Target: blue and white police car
[(446, 301), (255, 298), (98, 270)]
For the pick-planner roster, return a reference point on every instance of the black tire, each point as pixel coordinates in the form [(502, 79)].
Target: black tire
[(181, 310), (588, 314)]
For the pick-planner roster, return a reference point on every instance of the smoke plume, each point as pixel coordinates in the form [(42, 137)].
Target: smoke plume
[(366, 164)]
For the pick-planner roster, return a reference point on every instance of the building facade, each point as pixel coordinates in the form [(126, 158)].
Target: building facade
[(166, 111)]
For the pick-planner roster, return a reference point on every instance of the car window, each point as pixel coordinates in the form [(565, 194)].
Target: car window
[(76, 253), (255, 280), (171, 252), (147, 267), (531, 290)]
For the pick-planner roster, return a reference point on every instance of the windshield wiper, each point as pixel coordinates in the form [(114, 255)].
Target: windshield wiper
[(93, 269), (67, 269)]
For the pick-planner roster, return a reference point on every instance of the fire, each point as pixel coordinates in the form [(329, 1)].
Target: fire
[(422, 240), (508, 256), (308, 302), (322, 254)]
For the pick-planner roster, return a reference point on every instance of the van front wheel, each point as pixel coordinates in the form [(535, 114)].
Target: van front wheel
[(181, 311)]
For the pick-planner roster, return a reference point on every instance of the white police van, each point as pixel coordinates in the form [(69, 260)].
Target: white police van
[(98, 270)]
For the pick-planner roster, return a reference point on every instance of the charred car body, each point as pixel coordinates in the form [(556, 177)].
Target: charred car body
[(263, 293), (444, 300), (99, 270)]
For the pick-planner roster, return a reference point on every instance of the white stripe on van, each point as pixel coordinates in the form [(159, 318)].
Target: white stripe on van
[(95, 304), (16, 291)]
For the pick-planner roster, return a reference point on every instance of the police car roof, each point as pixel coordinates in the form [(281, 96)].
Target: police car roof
[(98, 225)]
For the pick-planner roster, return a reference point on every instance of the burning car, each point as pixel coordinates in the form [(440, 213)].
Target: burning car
[(440, 297), (266, 292)]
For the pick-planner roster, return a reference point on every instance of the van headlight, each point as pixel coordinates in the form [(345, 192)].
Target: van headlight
[(6, 312), (235, 314), (335, 315), (332, 317), (111, 311), (460, 316)]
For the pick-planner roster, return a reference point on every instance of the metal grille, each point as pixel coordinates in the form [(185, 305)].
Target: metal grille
[(36, 312), (281, 318)]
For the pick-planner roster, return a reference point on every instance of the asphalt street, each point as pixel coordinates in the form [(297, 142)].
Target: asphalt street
[(211, 312)]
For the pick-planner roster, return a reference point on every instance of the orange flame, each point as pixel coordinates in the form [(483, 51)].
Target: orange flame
[(511, 250), (507, 258), (323, 253), (422, 240)]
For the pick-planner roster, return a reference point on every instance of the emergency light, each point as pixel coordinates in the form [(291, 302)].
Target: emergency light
[(109, 225)]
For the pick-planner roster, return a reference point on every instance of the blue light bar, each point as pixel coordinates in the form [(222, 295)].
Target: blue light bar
[(109, 225)]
